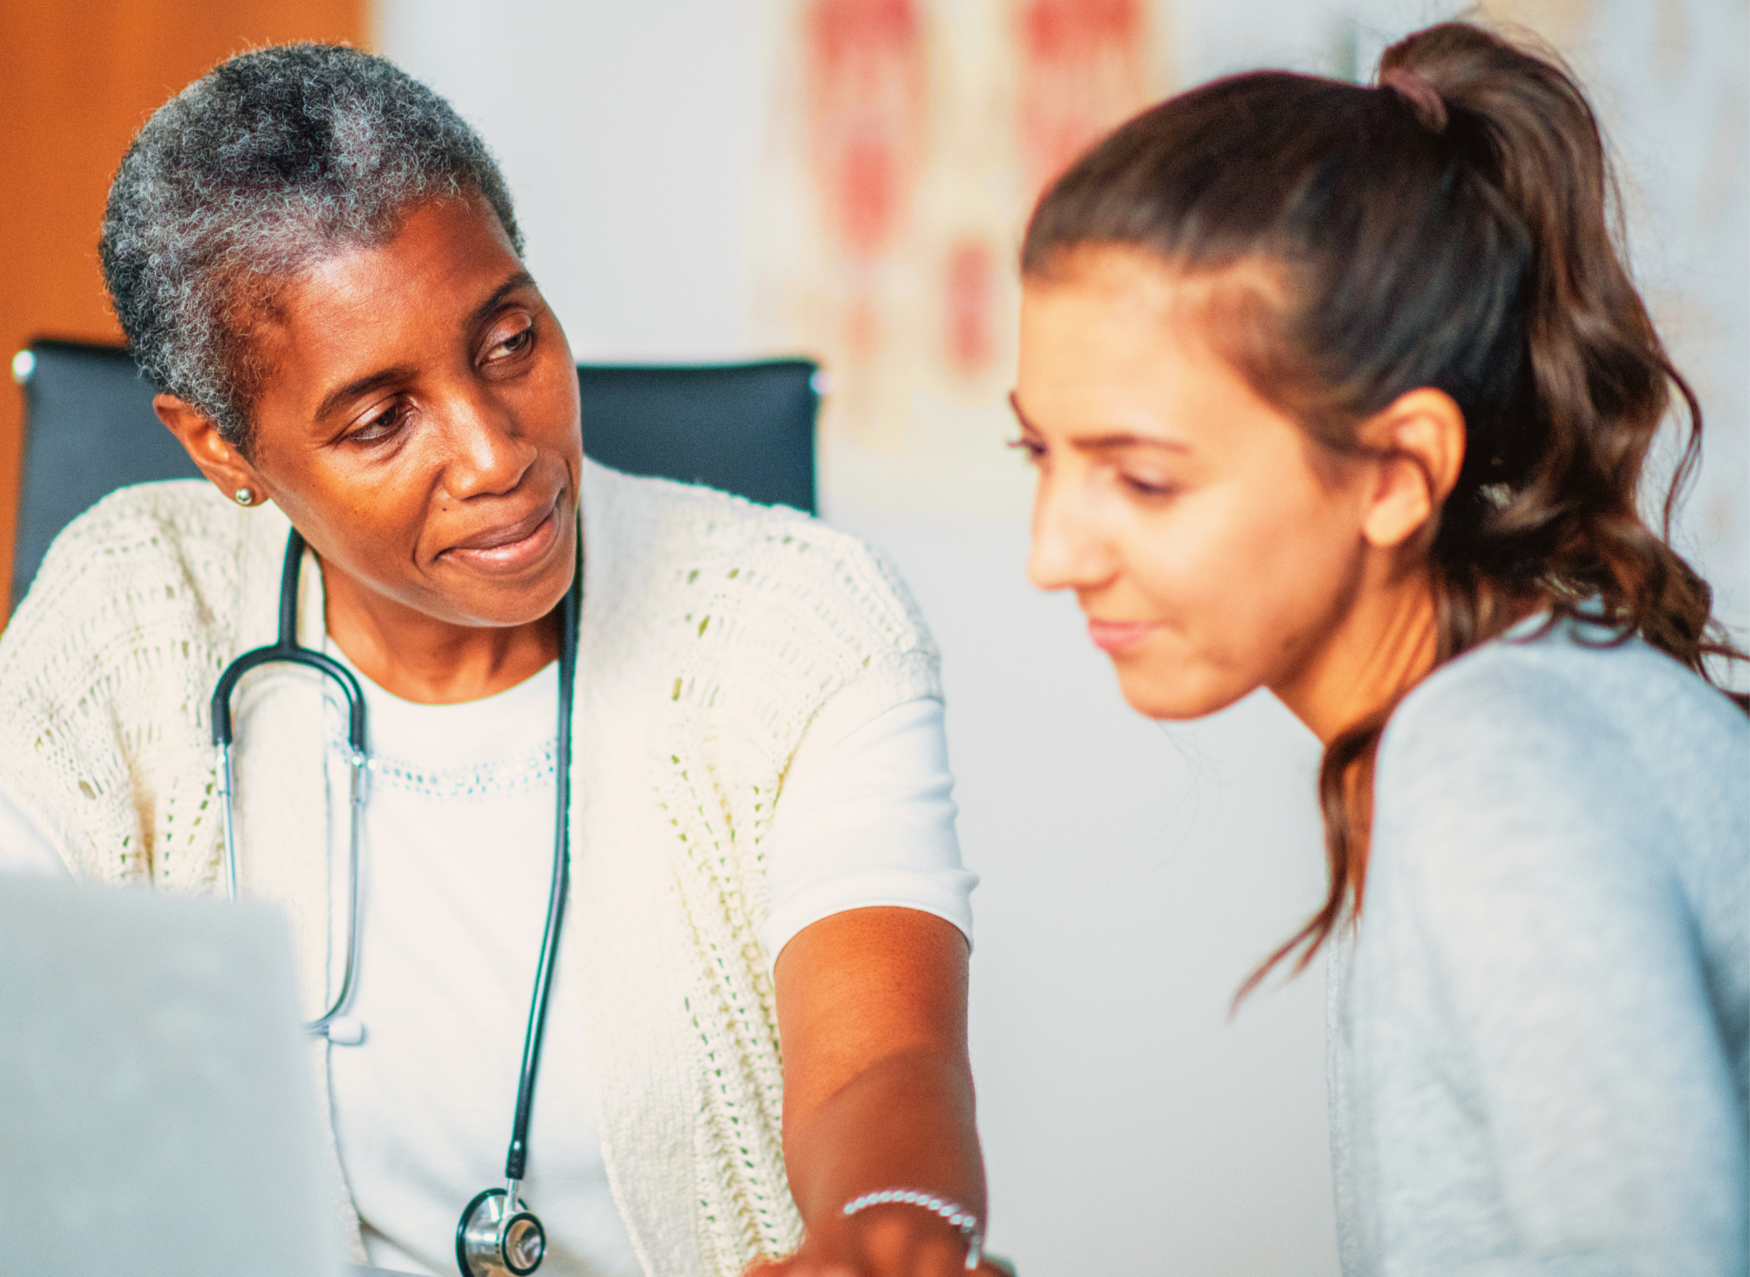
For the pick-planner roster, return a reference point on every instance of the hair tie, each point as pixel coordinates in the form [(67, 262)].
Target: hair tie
[(1423, 98)]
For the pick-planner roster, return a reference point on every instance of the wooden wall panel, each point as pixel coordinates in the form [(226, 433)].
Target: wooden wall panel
[(76, 82)]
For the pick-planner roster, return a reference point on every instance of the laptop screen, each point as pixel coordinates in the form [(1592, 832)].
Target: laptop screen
[(157, 1115)]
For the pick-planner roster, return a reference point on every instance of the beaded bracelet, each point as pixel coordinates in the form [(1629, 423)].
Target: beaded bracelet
[(956, 1215)]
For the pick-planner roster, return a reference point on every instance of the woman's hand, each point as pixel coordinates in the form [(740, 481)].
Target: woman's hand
[(878, 1245), (881, 1241), (877, 1094)]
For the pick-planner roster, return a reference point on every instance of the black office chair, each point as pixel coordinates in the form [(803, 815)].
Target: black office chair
[(88, 430), (745, 428)]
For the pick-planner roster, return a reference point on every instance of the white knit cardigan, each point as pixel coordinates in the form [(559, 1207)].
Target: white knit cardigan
[(715, 635)]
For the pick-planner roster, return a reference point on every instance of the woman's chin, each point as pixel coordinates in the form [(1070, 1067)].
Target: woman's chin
[(497, 603), (1175, 698), (492, 596)]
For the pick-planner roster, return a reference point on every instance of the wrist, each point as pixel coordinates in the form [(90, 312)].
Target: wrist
[(969, 1227)]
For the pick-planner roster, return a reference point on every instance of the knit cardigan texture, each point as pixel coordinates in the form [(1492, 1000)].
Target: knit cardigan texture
[(716, 634)]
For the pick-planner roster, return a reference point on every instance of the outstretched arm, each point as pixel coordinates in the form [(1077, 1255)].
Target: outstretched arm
[(877, 1092)]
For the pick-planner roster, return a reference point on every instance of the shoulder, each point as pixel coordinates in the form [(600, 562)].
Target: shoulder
[(148, 566), (148, 576), (746, 623), (716, 559), (138, 518), (1560, 697), (1554, 746), (105, 666), (127, 548)]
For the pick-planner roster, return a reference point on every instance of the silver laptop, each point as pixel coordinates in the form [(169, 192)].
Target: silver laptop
[(157, 1111)]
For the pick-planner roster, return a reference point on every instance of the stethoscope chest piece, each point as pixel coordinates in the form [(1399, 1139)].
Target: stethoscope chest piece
[(497, 1235)]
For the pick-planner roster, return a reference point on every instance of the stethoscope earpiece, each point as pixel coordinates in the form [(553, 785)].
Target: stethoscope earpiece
[(497, 1235)]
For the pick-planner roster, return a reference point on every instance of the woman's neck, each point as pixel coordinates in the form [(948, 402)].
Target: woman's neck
[(1383, 644), (427, 660)]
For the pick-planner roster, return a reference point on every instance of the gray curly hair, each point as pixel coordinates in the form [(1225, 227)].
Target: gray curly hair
[(268, 164)]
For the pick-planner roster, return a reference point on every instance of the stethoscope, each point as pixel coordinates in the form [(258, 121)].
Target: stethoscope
[(497, 1233)]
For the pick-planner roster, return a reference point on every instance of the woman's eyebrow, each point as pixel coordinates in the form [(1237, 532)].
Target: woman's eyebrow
[(1114, 442), (358, 386), (1106, 442), (372, 381), (521, 279)]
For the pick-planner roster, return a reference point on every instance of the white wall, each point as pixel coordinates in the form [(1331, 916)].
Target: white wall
[(1132, 872), (627, 133)]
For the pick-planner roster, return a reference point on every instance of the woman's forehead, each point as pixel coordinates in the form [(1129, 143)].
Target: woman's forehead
[(1120, 349), (1136, 280), (372, 309)]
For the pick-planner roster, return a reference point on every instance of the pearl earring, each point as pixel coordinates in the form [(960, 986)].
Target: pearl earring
[(245, 496)]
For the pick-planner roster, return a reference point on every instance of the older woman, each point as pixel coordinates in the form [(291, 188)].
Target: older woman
[(317, 263)]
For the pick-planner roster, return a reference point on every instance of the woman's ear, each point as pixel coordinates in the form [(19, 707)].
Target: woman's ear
[(217, 458), (1419, 442)]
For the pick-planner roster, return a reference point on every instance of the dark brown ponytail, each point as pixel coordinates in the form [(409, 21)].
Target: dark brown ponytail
[(1454, 227)]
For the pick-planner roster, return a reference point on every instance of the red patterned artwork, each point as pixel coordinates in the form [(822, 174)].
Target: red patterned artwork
[(1082, 67), (908, 140), (867, 100), (969, 297)]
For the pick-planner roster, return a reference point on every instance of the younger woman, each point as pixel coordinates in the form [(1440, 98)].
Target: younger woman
[(1345, 392)]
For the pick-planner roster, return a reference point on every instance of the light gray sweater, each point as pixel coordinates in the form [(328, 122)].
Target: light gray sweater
[(1538, 1047)]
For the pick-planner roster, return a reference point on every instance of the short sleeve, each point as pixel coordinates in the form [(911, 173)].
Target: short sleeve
[(865, 821)]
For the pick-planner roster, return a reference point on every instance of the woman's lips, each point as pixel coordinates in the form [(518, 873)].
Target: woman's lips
[(510, 547), (1115, 637)]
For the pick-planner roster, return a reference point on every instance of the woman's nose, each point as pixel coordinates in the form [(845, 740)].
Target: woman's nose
[(1068, 551), (488, 453)]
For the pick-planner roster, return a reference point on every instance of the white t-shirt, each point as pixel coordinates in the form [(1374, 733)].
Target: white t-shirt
[(458, 856)]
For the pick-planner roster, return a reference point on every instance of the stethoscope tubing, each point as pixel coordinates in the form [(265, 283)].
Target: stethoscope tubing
[(517, 1156), (286, 650)]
